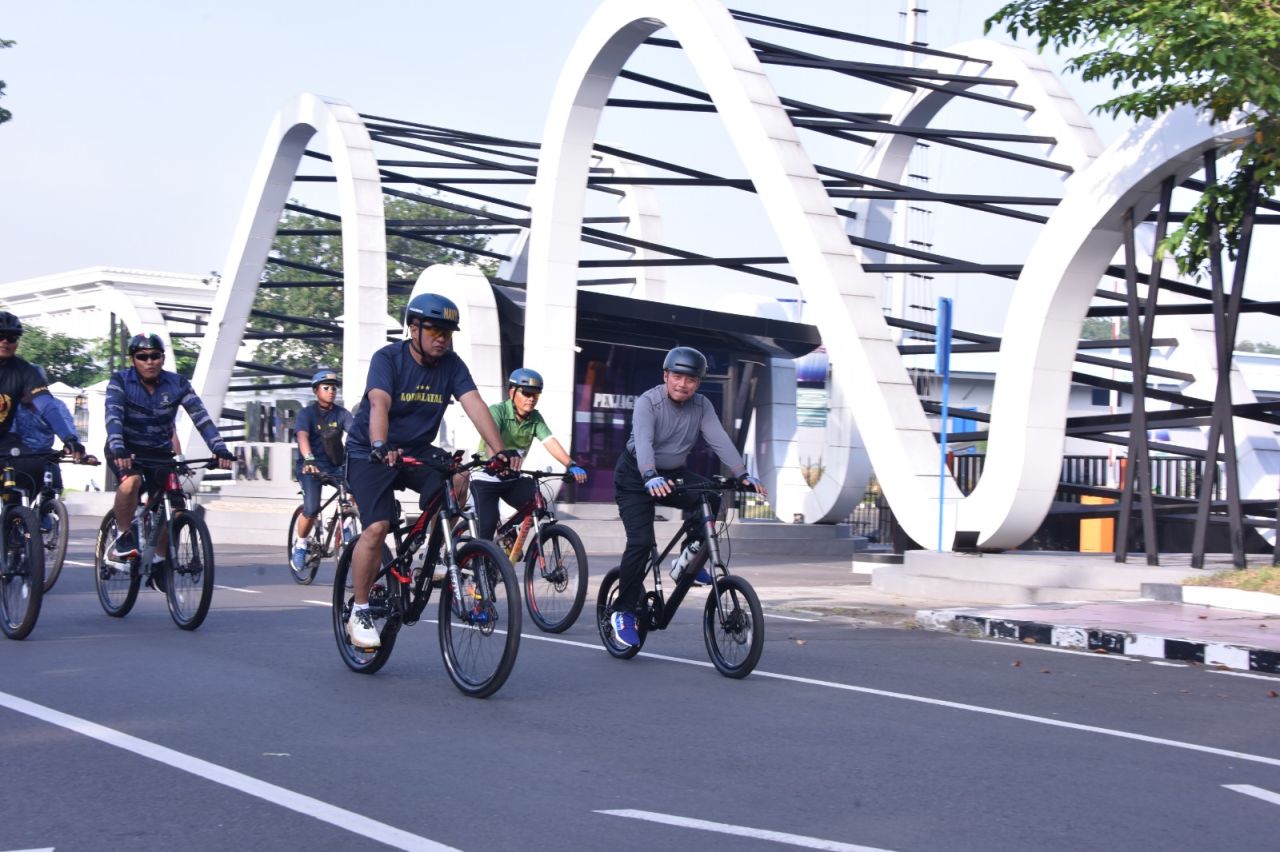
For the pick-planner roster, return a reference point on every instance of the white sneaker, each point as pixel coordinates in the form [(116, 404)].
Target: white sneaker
[(361, 632)]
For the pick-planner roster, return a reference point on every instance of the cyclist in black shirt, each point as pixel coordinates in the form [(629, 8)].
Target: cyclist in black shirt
[(320, 428), (21, 383)]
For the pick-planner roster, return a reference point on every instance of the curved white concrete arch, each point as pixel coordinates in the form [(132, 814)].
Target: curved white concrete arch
[(364, 245), (139, 313), (843, 299)]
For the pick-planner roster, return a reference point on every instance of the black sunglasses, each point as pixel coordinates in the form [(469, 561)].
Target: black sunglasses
[(148, 356), (532, 394), (10, 338)]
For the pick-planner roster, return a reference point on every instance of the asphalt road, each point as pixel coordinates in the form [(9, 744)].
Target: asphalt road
[(250, 733)]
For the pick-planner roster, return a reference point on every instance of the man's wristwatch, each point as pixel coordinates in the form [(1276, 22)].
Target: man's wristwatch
[(378, 451)]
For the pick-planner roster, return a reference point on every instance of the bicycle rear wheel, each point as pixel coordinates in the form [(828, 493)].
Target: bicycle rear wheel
[(22, 573), (117, 582), (606, 599), (735, 641), (54, 530), (312, 563), (358, 659), (480, 637), (555, 579), (189, 571)]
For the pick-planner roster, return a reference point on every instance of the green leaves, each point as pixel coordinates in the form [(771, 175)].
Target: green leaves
[(1219, 56)]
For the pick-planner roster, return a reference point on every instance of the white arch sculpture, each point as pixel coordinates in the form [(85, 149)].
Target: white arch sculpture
[(364, 244), (1029, 406)]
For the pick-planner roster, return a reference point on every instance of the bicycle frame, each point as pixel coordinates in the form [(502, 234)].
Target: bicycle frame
[(527, 522), (661, 614)]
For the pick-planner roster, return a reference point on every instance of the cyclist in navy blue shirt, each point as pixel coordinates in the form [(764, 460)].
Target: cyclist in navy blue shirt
[(409, 385), (23, 383), (319, 429), (141, 407)]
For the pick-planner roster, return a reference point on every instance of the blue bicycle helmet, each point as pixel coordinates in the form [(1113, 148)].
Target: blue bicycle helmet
[(686, 361), (525, 379), (432, 309), (325, 375), (9, 323)]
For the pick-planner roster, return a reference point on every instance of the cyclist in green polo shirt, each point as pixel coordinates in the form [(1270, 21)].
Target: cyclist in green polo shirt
[(519, 424)]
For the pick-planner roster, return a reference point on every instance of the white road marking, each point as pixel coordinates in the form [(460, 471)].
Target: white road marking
[(1253, 675), (235, 589), (953, 705), (305, 805), (1256, 792), (45, 849), (743, 831), (319, 603), (788, 617), (77, 563), (1010, 643)]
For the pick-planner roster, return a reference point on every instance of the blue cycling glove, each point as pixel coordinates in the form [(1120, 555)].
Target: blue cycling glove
[(749, 482), (576, 471), (654, 482)]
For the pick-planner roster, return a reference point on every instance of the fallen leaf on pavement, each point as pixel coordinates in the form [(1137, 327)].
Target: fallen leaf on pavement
[(1045, 671), (1016, 663), (800, 641), (1273, 694), (1028, 640)]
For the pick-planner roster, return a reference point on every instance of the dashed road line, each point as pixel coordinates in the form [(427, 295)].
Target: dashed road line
[(1256, 792), (743, 831)]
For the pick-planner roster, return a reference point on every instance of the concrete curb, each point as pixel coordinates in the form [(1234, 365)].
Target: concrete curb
[(1238, 599), (1103, 641)]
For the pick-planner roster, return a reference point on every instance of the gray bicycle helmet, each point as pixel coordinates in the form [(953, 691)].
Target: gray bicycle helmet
[(686, 361), (525, 379), (145, 341), (433, 309)]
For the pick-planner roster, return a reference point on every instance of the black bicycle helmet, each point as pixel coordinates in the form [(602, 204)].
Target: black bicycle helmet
[(145, 341), (325, 376), (9, 324), (686, 361), (432, 309), (525, 379)]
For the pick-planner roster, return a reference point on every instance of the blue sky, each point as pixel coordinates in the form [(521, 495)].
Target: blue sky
[(137, 124)]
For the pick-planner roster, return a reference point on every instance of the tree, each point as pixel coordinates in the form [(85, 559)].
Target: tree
[(64, 358), (1102, 328), (306, 239), (5, 115), (1220, 56)]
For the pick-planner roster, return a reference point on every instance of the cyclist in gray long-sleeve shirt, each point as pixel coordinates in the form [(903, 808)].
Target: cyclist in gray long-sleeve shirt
[(667, 422)]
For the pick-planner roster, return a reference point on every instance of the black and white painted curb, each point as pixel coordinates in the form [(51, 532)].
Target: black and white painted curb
[(1107, 641)]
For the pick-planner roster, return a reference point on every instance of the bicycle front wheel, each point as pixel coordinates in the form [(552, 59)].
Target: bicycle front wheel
[(54, 530), (480, 628), (359, 659), (117, 582), (311, 564), (555, 579), (22, 573), (189, 571), (734, 631)]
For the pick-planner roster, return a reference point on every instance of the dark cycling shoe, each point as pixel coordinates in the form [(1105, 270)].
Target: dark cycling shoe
[(156, 579), (125, 547)]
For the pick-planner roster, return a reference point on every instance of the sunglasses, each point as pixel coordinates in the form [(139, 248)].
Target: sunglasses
[(435, 332), (148, 356), (529, 393), (10, 338)]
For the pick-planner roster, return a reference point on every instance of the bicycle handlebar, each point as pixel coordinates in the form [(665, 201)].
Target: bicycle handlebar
[(54, 456)]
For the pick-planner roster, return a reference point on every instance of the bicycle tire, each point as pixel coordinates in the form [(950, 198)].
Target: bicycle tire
[(357, 659), (22, 573), (605, 600), (312, 563), (55, 540), (117, 583), (479, 645), (188, 572), (735, 644), (555, 579)]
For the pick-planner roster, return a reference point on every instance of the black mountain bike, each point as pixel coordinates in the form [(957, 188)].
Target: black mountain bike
[(21, 552), (163, 522), (327, 538), (732, 621), (52, 513), (555, 561), (479, 610)]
